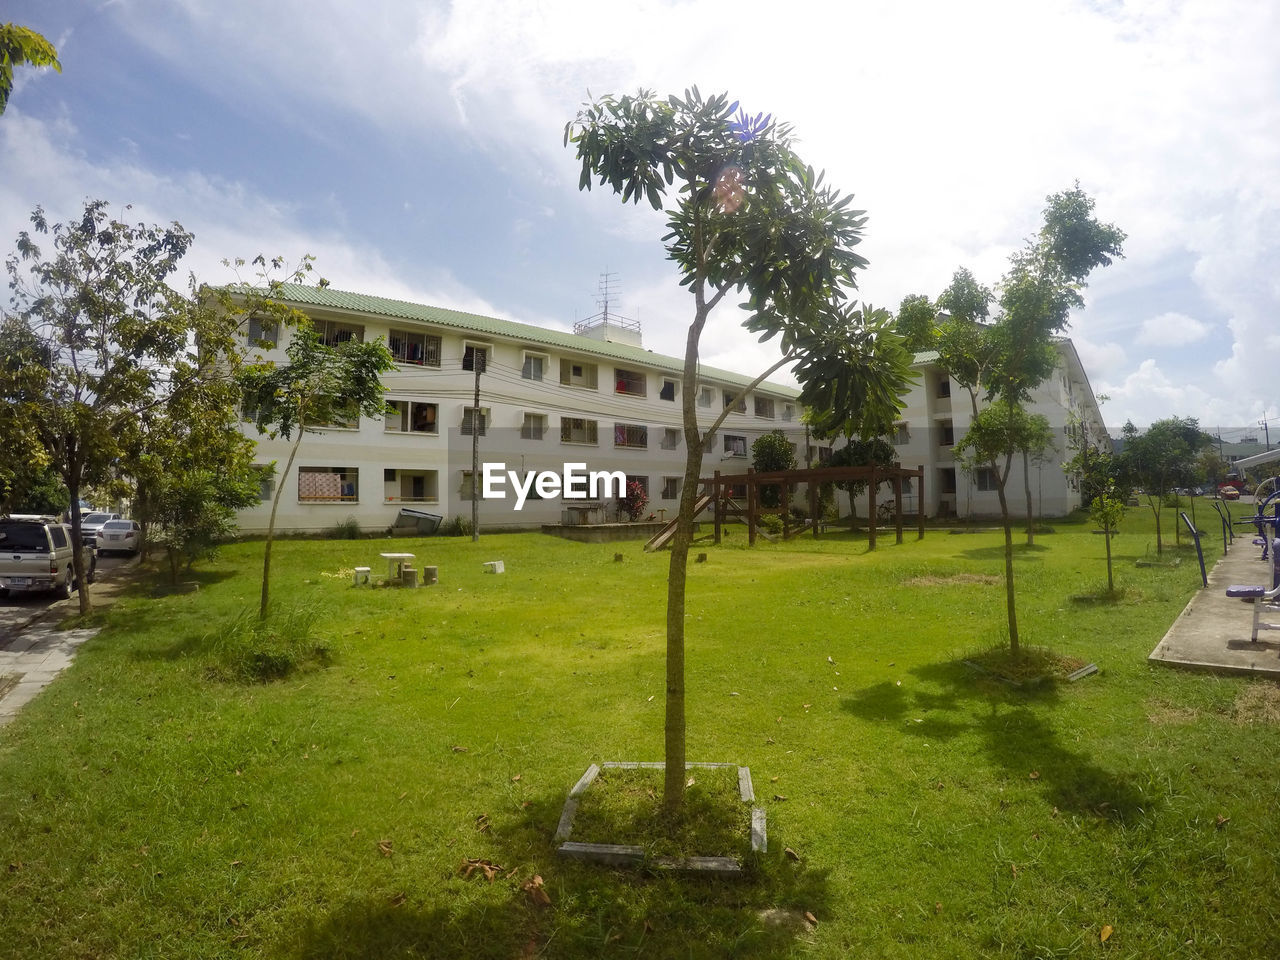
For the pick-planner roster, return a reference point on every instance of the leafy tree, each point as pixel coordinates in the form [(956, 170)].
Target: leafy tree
[(966, 345), (318, 384), (1161, 459), (32, 486), (192, 469), (875, 451), (635, 501), (21, 45), (744, 215), (1107, 510), (96, 337), (772, 452), (1035, 446), (916, 322), (1038, 293)]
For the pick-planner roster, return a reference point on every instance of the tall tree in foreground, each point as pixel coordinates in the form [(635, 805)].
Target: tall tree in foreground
[(18, 46), (745, 216), (95, 338)]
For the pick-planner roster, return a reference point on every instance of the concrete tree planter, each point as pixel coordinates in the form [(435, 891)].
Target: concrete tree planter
[(629, 855)]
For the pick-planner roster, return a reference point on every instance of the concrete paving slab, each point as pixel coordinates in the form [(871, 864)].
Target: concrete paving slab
[(1212, 632)]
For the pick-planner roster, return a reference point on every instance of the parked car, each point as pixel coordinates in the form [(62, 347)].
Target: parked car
[(1229, 493), (119, 535), (91, 523), (36, 554)]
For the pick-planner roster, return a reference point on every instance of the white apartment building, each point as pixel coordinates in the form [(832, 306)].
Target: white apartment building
[(938, 412), (547, 398)]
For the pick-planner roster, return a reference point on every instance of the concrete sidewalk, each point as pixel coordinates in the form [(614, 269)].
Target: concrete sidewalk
[(1212, 633), (35, 658)]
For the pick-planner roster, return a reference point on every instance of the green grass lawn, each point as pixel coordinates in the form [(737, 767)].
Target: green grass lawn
[(152, 804)]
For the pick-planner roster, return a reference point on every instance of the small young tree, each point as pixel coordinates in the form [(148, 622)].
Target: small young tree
[(1107, 510), (875, 452), (771, 452), (318, 384), (917, 322), (746, 215), (1161, 459)]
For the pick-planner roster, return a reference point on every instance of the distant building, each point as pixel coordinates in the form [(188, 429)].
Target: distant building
[(596, 398), (547, 398)]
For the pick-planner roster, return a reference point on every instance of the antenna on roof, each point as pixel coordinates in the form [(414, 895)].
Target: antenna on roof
[(605, 326)]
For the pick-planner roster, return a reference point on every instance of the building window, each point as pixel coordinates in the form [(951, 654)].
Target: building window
[(706, 396), (764, 407), (900, 435), (985, 478), (740, 406), (576, 374), (334, 332), (631, 382), (265, 474), (405, 416), (788, 412), (328, 484), (578, 430), (670, 488), (534, 426), (534, 366), (670, 438), (411, 486), (735, 446), (630, 435), (263, 332), (824, 454), (944, 388), (420, 348), (738, 491), (947, 480), (948, 435), (475, 418), (475, 357), (668, 391)]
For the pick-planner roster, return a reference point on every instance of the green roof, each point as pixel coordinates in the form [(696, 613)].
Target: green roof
[(328, 298)]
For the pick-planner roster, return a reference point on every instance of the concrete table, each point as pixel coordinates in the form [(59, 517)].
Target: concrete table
[(394, 562)]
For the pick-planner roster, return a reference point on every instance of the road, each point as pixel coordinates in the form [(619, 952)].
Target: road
[(19, 609)]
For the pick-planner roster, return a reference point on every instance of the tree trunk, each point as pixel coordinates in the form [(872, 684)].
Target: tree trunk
[(1106, 533), (1156, 511), (1010, 605), (1031, 517), (78, 566), (271, 524)]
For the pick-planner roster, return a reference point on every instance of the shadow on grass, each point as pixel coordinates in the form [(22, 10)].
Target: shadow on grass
[(1010, 722), (1022, 552), (593, 910)]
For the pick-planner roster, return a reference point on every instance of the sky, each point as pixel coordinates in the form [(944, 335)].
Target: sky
[(416, 150)]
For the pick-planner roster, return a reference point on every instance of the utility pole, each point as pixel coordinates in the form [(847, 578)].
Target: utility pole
[(478, 356), (1266, 432)]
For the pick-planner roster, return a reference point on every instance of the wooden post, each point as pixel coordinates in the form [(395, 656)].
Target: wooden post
[(920, 501), (752, 495), (718, 503), (897, 501), (871, 510)]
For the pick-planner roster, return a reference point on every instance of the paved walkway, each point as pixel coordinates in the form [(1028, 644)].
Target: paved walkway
[(1212, 633), (35, 657)]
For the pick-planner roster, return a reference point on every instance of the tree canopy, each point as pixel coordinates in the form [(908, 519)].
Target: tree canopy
[(18, 46), (744, 215)]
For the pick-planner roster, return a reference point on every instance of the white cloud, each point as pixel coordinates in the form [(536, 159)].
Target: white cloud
[(1172, 330)]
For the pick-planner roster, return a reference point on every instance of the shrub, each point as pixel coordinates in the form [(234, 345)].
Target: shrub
[(456, 526), (635, 501), (770, 524), (252, 650), (348, 529)]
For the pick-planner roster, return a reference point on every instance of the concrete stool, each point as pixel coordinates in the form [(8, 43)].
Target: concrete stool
[(494, 566), (408, 577), (359, 575), (429, 576)]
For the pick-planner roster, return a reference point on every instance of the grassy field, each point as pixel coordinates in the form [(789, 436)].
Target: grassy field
[(154, 803)]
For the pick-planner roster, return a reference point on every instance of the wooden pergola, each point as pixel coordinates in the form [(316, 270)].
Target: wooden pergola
[(719, 485)]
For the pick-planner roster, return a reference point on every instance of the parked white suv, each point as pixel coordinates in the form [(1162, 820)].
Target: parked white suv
[(36, 554)]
